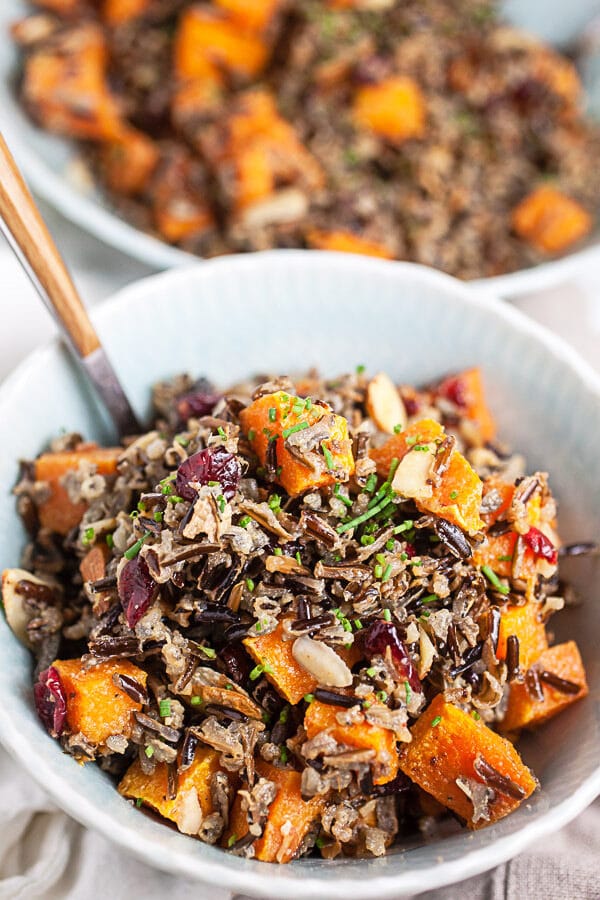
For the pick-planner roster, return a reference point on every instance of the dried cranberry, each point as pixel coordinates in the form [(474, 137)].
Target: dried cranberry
[(409, 549), (136, 589), (51, 701), (542, 546), (382, 635), (212, 464), (455, 390), (197, 403)]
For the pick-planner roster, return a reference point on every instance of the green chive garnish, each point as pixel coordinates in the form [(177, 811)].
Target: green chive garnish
[(337, 492), (436, 721), (208, 651), (387, 574), (164, 708), (133, 551), (294, 428), (328, 456), (494, 580), (387, 615), (149, 751), (245, 520)]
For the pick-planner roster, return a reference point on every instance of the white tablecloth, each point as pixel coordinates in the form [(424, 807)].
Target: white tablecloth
[(45, 854)]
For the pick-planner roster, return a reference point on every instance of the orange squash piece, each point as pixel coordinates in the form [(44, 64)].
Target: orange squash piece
[(119, 12), (254, 16), (65, 86), (289, 678), (262, 152), (346, 242), (290, 817), (153, 789), (58, 513), (446, 743), (467, 390), (524, 711), (275, 417), (394, 109), (128, 162), (322, 717), (209, 42), (96, 707), (550, 221), (524, 623), (458, 496)]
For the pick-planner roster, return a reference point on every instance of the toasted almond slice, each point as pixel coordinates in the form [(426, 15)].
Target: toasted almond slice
[(384, 404), (322, 662), (413, 475), (14, 608)]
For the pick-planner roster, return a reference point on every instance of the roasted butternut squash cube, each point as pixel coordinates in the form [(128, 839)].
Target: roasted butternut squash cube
[(466, 390), (193, 790), (128, 162), (448, 744), (394, 109), (65, 85), (255, 16), (525, 624), (550, 221), (289, 678), (563, 680), (58, 512), (119, 12), (209, 42), (364, 736), (96, 707), (290, 817), (312, 446), (458, 495), (346, 242)]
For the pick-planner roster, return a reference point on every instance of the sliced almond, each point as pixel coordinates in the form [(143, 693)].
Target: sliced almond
[(384, 404), (188, 812), (322, 662), (14, 608), (413, 475), (426, 654)]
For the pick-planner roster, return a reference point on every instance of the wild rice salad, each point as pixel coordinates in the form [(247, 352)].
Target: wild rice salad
[(301, 617), (426, 130)]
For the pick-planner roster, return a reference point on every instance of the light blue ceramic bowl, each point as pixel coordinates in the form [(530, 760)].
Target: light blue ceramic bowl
[(284, 312)]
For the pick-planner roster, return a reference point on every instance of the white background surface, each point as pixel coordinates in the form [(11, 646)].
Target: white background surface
[(59, 859)]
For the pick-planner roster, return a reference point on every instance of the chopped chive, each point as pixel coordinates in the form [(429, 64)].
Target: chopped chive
[(158, 516), (387, 574), (89, 535), (371, 483), (371, 671), (298, 406), (256, 672), (196, 701), (378, 570), (436, 721), (358, 624), (301, 426), (174, 498), (453, 495), (164, 708), (180, 439), (283, 754), (308, 698), (320, 843), (382, 695), (328, 456), (494, 580), (397, 429), (250, 584), (389, 545), (360, 370), (408, 692), (380, 557), (277, 551), (309, 404), (222, 502), (133, 551), (245, 520), (298, 558), (272, 414), (367, 539), (475, 715), (110, 542), (284, 714), (406, 526), (424, 616), (208, 651), (221, 431), (275, 503), (337, 492), (403, 556), (139, 802), (367, 704), (149, 751), (430, 598), (231, 840), (362, 518), (410, 441), (387, 615), (504, 558), (251, 434)]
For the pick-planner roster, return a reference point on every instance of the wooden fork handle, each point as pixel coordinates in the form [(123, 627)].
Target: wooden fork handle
[(26, 230)]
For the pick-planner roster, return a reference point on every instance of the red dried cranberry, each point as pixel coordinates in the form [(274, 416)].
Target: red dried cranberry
[(455, 390), (382, 635), (412, 405), (136, 589), (542, 546), (212, 464), (409, 549), (197, 403), (51, 701)]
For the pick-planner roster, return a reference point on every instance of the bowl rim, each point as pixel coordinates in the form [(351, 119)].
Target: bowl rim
[(218, 872)]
